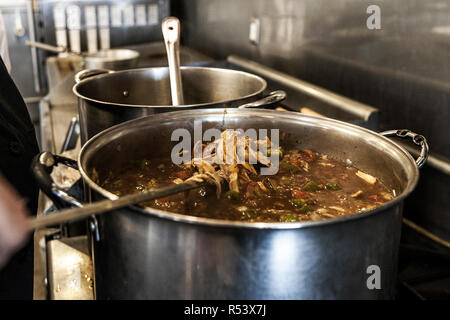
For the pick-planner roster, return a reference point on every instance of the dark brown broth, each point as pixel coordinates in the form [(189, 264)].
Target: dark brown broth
[(328, 189)]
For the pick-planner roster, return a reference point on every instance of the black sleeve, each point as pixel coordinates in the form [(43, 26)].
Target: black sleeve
[(18, 143), (18, 146)]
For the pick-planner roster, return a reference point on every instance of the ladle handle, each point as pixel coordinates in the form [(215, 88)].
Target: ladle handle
[(75, 214), (171, 32), (45, 46), (42, 166)]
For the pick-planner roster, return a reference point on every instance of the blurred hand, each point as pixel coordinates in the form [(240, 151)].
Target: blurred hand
[(13, 221)]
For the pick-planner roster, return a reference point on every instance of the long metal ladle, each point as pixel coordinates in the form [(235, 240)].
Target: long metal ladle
[(102, 206), (171, 32)]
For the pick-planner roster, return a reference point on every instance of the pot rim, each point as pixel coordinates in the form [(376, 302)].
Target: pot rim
[(129, 55), (177, 217), (262, 81)]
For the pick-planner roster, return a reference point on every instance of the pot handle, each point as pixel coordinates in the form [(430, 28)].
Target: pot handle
[(41, 168), (86, 73), (271, 100), (416, 138)]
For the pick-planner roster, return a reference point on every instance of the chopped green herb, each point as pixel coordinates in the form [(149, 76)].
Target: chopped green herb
[(251, 213), (288, 218), (306, 208), (311, 186), (232, 195), (333, 186), (289, 166), (300, 203)]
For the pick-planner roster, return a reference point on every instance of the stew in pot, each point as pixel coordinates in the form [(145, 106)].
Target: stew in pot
[(307, 186)]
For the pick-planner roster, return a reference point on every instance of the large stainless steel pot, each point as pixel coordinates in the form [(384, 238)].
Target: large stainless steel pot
[(106, 98), (153, 254)]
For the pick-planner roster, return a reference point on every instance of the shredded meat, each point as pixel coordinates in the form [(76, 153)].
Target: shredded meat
[(217, 164)]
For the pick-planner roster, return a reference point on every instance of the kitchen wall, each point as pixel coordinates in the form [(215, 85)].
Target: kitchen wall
[(403, 68)]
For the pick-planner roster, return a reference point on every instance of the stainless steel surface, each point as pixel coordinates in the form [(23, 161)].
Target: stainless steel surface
[(426, 233), (40, 285), (273, 98), (113, 59), (434, 162), (299, 99), (363, 111), (153, 54), (46, 141), (217, 259), (70, 271), (72, 135), (137, 93), (32, 37), (110, 32), (237, 263), (121, 33), (86, 73), (171, 33)]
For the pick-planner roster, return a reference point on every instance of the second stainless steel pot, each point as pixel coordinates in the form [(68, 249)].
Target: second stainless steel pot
[(106, 98), (114, 59)]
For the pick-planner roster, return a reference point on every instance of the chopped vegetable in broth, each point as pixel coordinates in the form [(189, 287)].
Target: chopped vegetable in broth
[(308, 186)]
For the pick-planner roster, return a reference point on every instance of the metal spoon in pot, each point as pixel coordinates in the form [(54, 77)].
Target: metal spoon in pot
[(171, 32)]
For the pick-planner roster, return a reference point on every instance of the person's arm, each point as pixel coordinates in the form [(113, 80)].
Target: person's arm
[(13, 221)]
